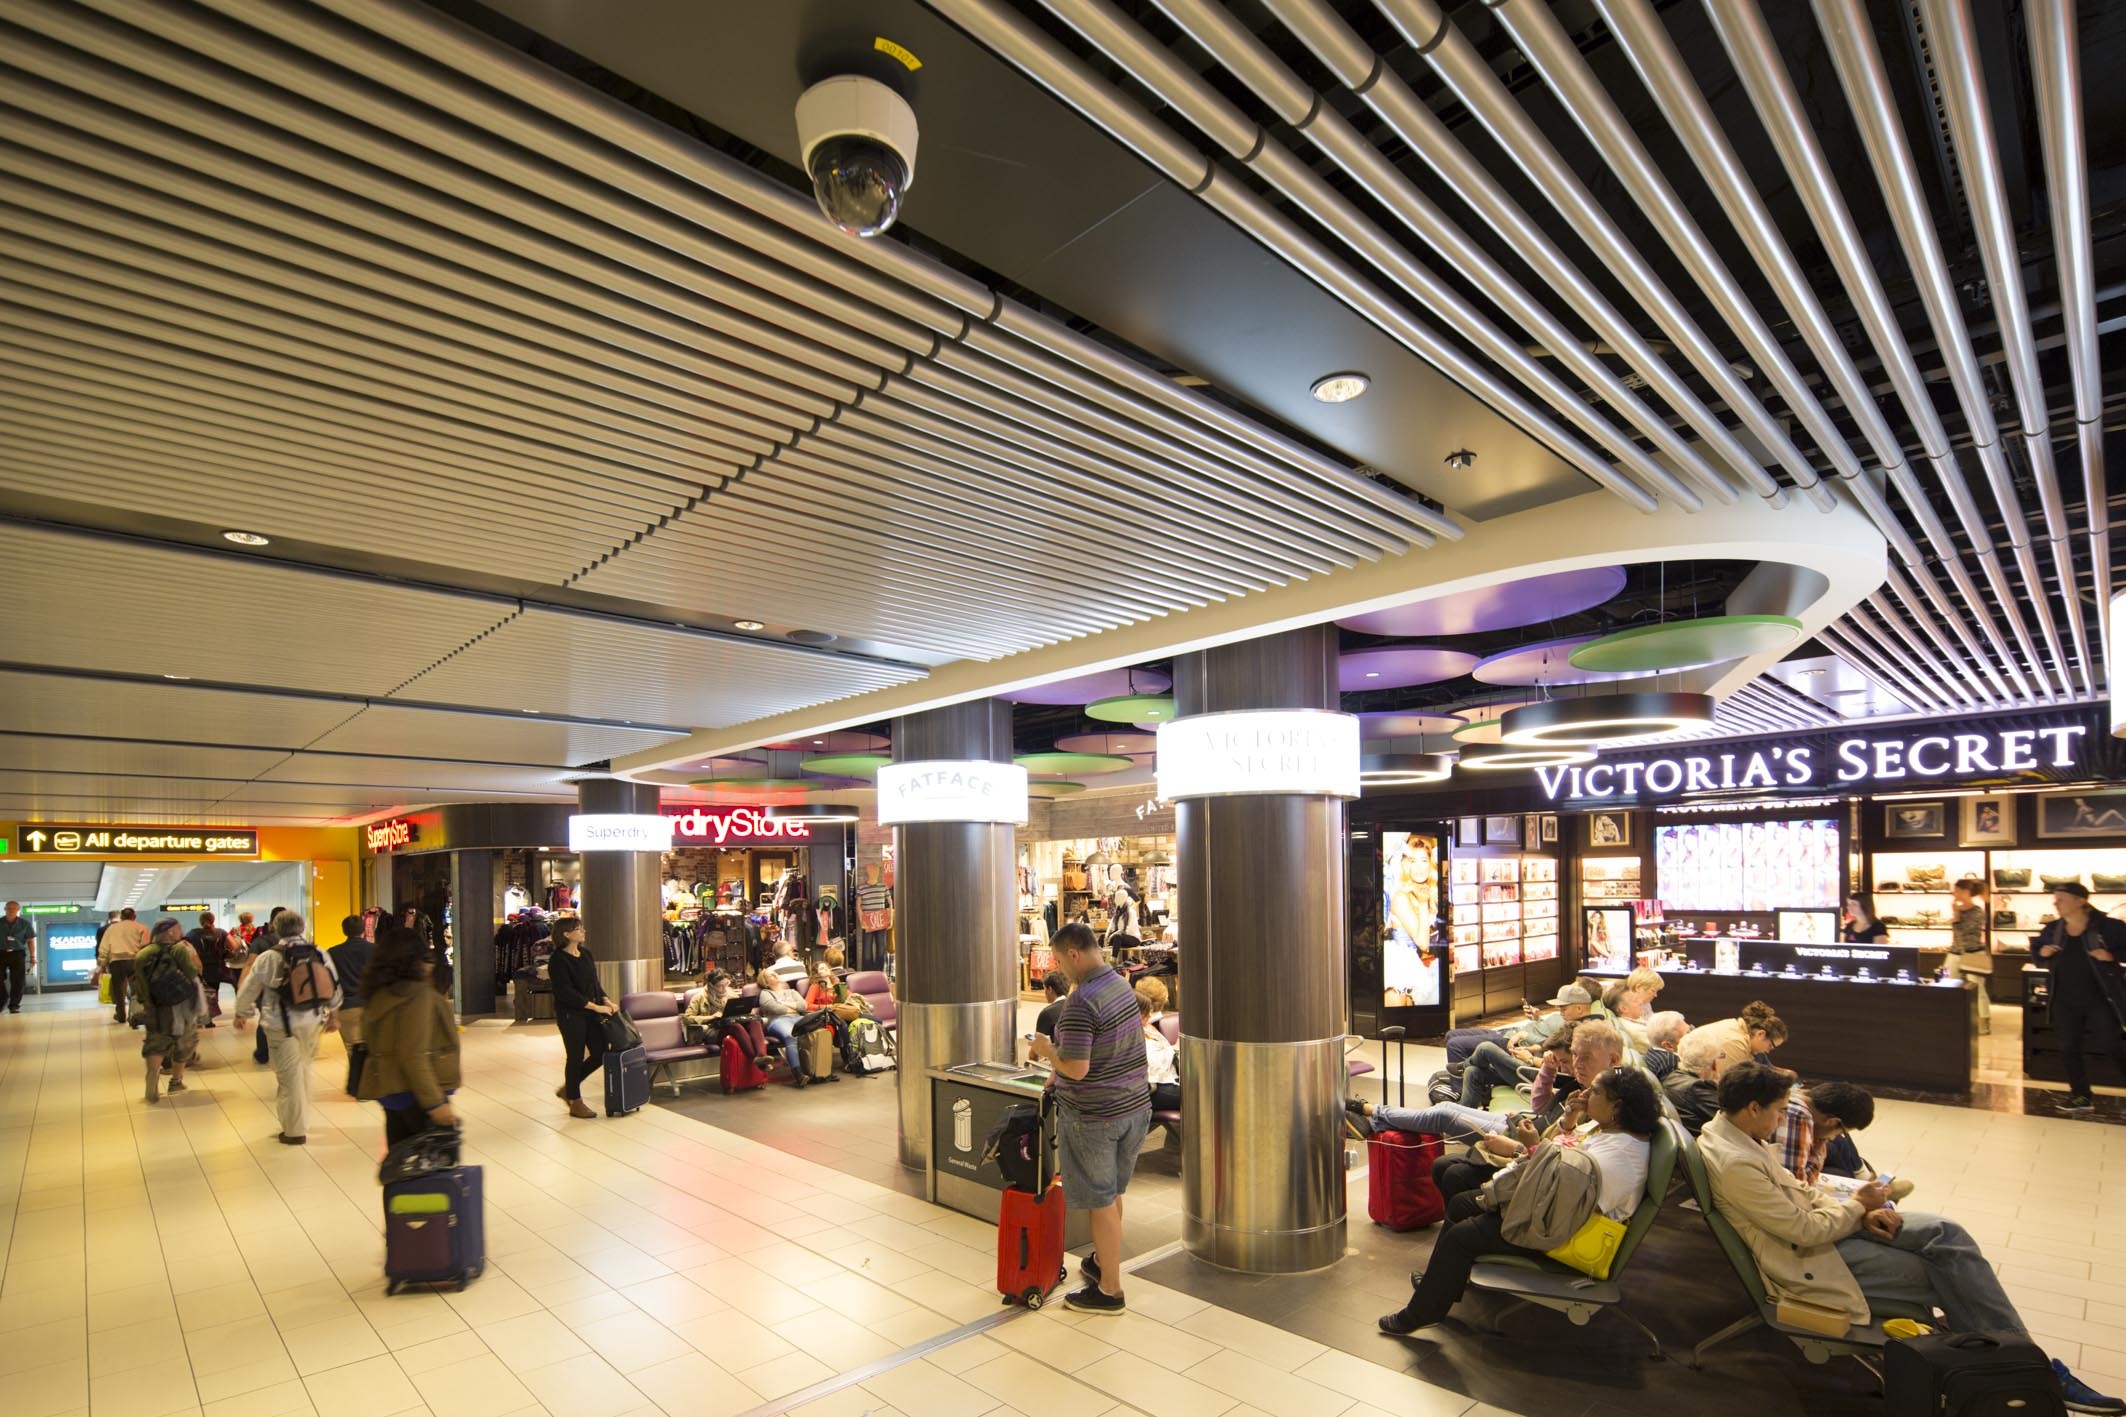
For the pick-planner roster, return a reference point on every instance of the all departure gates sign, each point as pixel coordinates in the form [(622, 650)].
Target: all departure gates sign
[(103, 839)]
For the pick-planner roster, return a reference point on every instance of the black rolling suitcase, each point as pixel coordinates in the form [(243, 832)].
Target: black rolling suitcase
[(627, 1080), (1969, 1375)]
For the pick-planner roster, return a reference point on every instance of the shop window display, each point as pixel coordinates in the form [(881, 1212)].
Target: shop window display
[(1748, 866)]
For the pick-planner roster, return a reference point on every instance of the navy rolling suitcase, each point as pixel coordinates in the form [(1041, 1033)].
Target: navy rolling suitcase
[(435, 1229), (1969, 1375), (627, 1081)]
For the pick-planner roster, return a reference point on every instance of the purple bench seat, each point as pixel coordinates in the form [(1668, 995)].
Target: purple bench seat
[(664, 1039)]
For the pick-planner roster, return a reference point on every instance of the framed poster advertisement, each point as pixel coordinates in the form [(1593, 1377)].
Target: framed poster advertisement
[(1502, 831), (1989, 821), (1412, 959), (1609, 936), (2067, 816), (1608, 829)]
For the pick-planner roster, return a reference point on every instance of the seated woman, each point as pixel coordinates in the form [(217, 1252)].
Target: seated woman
[(1160, 1057), (1623, 1113), (1553, 1106), (1749, 1038), (704, 1018), (827, 996), (782, 1010)]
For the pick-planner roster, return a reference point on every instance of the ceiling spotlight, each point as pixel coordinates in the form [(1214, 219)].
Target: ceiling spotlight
[(1461, 459), (1507, 757), (1340, 388), (1402, 769), (749, 624), (1604, 718), (247, 538), (181, 678)]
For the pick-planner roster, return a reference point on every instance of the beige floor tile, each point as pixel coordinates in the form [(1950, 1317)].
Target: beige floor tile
[(143, 1392), (269, 1367), (583, 1386), (332, 1344), (926, 1388), (692, 1386), (911, 1326), (1261, 1342), (50, 1389), (632, 1341), (1369, 1382), (780, 1377), (730, 1335), (1034, 1389), (849, 1402), (970, 1352), (673, 1297), (374, 1387), (1064, 1348), (473, 1387), (461, 1347), (1153, 1388), (41, 1345), (285, 1399), (1269, 1387), (531, 1340)]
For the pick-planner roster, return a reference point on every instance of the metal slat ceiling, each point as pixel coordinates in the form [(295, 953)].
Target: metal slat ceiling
[(400, 731), (310, 274), (124, 709), (88, 755)]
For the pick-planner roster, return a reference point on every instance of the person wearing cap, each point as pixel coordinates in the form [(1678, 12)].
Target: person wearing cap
[(1494, 1065), (2083, 949), (1596, 1048), (1524, 1040)]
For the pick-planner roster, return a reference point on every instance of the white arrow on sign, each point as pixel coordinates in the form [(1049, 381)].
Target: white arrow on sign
[(35, 839)]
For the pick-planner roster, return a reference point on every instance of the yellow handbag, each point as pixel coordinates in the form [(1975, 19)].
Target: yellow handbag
[(103, 989), (1593, 1247)]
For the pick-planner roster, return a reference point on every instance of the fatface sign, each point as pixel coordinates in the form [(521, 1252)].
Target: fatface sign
[(1258, 752), (1848, 764), (75, 839), (951, 791), (734, 826)]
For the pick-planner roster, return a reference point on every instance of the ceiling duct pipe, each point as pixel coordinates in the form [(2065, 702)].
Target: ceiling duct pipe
[(2056, 77), (1278, 87), (1740, 27), (1963, 100), (1047, 63), (1551, 52), (1916, 604), (1368, 76)]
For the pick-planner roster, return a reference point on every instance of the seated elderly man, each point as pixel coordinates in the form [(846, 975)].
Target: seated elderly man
[(1596, 1047), (1693, 1087), (1841, 1252), (1663, 1032)]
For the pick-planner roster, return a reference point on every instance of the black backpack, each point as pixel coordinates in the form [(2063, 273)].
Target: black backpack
[(167, 983), (1015, 1145)]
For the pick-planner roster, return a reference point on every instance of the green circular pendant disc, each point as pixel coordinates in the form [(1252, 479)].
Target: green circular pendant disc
[(1073, 762), (1054, 789), (1132, 708), (846, 764), (1687, 644)]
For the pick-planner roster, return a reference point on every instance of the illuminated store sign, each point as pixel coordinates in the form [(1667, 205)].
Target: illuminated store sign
[(77, 839), (619, 831), (1259, 751), (1847, 763), (951, 791), (391, 835), (733, 826)]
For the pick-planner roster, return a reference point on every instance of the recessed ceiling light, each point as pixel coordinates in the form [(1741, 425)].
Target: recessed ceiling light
[(749, 624), (1340, 388), (246, 538), (1373, 674), (179, 677)]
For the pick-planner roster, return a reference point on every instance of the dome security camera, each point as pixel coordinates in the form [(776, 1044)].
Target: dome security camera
[(858, 138)]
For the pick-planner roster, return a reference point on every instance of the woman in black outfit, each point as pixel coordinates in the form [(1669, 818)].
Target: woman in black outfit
[(579, 1008), (1861, 926)]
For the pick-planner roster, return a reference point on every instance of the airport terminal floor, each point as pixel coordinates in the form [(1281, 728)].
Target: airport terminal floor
[(749, 1254)]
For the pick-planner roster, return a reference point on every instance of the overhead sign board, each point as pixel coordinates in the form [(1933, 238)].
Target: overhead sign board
[(734, 826), (951, 790), (619, 831), (1861, 762), (1259, 752), (392, 835), (104, 839)]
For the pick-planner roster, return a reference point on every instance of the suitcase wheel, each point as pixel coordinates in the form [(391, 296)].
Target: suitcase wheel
[(1033, 1298), (391, 1288)]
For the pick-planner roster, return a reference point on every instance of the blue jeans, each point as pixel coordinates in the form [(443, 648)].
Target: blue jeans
[(1461, 1042), (1449, 1119), (1933, 1263), (780, 1027), (1490, 1066)]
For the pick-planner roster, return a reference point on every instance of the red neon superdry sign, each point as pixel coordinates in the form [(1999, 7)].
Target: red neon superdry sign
[(734, 824), (391, 835)]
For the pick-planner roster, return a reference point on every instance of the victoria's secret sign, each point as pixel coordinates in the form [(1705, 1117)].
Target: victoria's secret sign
[(734, 826), (1832, 764)]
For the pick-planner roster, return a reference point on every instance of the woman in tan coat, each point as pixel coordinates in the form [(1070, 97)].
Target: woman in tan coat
[(411, 1036)]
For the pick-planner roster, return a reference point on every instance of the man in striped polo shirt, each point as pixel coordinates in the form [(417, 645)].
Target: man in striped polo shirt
[(1103, 1104)]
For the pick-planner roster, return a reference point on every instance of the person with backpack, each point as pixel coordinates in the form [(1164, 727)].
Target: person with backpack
[(1622, 1111), (212, 945), (167, 1004), (293, 990)]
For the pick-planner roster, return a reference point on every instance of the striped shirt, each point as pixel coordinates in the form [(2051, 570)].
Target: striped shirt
[(1101, 1026)]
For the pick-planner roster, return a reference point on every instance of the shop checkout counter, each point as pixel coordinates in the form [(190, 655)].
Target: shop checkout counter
[(965, 1102), (1856, 1013)]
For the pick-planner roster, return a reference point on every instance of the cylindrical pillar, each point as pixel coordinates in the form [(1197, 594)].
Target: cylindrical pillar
[(955, 920), (623, 918), (472, 909), (1262, 940)]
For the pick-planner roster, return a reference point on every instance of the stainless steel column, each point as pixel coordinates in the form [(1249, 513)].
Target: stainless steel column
[(1261, 882), (955, 920), (623, 919)]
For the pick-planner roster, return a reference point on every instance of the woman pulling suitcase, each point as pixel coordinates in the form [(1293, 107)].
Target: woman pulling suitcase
[(580, 1008)]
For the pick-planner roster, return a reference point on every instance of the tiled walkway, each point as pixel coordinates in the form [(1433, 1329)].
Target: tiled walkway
[(177, 1259)]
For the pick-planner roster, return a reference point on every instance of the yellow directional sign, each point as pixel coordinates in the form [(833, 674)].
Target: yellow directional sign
[(111, 839)]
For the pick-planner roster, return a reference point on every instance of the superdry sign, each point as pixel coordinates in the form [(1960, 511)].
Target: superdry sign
[(1921, 758), (391, 835), (735, 826)]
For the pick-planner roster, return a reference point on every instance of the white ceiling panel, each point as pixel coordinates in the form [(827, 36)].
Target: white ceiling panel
[(91, 787), (644, 673), (98, 603), (475, 737), (98, 708), (417, 774), (361, 796), (14, 807), (25, 752), (29, 880)]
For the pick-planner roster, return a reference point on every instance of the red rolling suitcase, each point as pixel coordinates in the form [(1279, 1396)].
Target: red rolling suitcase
[(1399, 1189), (1030, 1229), (739, 1072)]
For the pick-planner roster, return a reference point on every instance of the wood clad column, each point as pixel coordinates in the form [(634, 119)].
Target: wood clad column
[(623, 914), (1262, 956), (955, 921)]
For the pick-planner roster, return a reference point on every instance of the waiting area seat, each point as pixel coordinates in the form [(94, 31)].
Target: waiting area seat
[(1567, 1291), (877, 991), (1170, 1025), (1861, 1342), (656, 1018)]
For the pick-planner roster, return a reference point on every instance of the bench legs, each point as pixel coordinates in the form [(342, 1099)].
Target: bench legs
[(1581, 1313), (1736, 1329)]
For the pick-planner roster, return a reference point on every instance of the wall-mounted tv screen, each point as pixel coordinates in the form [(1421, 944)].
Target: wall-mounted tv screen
[(1757, 866)]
